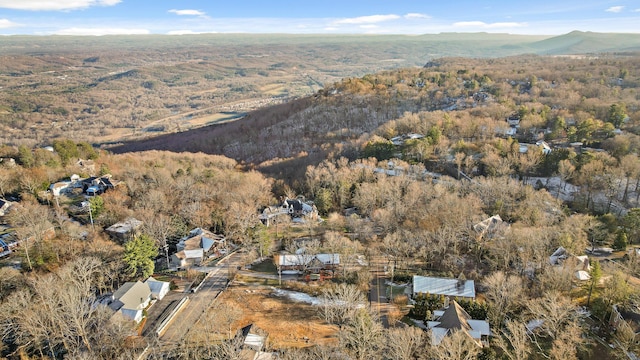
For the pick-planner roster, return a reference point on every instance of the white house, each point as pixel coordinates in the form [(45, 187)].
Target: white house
[(187, 258), (158, 288), (131, 299)]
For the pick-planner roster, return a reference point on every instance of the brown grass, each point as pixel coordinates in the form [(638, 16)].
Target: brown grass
[(289, 324)]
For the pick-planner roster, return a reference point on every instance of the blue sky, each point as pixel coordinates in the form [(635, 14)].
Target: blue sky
[(100, 17)]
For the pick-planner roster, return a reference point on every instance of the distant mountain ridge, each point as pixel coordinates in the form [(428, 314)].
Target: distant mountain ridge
[(578, 42), (480, 44)]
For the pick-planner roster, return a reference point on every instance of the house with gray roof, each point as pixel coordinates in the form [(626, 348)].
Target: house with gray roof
[(455, 318), (131, 299), (158, 288), (125, 230), (444, 286)]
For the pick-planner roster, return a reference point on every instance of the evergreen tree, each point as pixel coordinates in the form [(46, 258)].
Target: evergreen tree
[(620, 243), (617, 114), (138, 255), (596, 274)]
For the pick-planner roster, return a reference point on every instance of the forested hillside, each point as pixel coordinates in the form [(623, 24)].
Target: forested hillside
[(518, 175)]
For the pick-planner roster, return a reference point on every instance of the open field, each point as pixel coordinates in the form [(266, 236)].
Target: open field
[(290, 324)]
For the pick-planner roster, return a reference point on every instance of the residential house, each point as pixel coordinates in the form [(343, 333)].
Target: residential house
[(491, 227), (401, 139), (455, 318), (187, 258), (454, 288), (131, 299), (506, 131), (5, 205), (59, 188), (211, 244), (271, 215), (514, 120), (126, 230), (96, 185), (8, 241), (158, 288), (544, 146), (301, 263), (299, 209), (561, 258)]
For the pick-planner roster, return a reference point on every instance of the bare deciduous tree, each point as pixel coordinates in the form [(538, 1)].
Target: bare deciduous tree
[(362, 336), (31, 223), (405, 343), (504, 293), (514, 341), (341, 303), (456, 346)]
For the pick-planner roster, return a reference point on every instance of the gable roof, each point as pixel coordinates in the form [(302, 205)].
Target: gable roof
[(190, 254), (455, 317), (199, 238), (132, 295), (156, 286), (444, 286), (490, 225)]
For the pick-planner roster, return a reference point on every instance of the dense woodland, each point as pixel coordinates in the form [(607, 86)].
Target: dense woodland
[(414, 204)]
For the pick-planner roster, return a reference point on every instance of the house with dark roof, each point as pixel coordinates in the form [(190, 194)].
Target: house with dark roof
[(131, 299), (455, 318), (96, 185)]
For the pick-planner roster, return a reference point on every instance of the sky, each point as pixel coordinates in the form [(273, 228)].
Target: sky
[(108, 17)]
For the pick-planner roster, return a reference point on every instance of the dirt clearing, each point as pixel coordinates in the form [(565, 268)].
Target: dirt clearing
[(290, 324)]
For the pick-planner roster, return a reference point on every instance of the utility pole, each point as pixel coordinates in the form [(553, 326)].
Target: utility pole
[(91, 216)]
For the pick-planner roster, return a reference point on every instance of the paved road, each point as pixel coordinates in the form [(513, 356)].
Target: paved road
[(378, 292), (214, 283)]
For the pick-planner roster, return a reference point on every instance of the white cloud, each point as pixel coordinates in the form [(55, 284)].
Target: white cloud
[(483, 25), (101, 31), (187, 12), (615, 9), (6, 23), (416, 16), (371, 19), (55, 5), (636, 10), (369, 26)]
